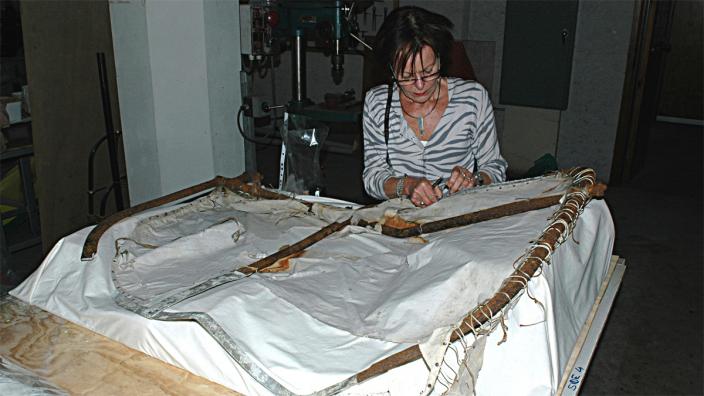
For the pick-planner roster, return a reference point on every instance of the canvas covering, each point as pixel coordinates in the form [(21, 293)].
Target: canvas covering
[(349, 301)]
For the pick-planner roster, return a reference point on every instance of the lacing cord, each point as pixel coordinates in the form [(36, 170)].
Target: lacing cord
[(562, 222)]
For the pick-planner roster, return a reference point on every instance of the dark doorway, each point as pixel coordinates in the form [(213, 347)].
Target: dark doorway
[(650, 56)]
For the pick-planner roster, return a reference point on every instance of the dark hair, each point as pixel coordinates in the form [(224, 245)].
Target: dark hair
[(406, 30)]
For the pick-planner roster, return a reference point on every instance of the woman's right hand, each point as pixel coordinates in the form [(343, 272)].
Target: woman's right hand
[(421, 192)]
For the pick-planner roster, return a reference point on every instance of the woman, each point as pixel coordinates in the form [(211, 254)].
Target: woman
[(425, 127)]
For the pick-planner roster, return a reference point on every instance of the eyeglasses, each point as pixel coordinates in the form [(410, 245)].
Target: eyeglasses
[(409, 81), (425, 78)]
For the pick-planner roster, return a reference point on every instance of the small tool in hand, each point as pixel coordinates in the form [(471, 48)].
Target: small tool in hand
[(440, 183), (478, 180)]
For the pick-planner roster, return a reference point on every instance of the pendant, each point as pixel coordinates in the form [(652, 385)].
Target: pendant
[(421, 129)]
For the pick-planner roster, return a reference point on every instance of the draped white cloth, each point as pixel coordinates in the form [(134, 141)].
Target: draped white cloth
[(350, 300)]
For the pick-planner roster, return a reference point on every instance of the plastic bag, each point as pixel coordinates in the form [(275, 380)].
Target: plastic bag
[(303, 138)]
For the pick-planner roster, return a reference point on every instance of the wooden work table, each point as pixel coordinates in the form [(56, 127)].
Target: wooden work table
[(80, 361)]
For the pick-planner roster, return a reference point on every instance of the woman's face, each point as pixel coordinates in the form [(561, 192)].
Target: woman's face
[(419, 76)]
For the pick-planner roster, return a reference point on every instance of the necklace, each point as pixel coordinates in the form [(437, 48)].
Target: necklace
[(420, 119)]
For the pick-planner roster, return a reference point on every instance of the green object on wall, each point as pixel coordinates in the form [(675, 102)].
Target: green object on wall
[(537, 60), (546, 163)]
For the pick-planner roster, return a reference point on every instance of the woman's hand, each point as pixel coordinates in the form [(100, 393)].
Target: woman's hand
[(460, 179), (421, 191)]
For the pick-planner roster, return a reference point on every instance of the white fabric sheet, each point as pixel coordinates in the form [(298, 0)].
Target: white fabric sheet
[(392, 289), (306, 348)]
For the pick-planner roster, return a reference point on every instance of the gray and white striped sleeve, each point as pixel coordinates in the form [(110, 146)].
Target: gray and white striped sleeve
[(489, 159), (376, 169)]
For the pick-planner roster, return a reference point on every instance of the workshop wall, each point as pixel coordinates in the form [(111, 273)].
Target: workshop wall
[(588, 127), (178, 72), (61, 40), (585, 132)]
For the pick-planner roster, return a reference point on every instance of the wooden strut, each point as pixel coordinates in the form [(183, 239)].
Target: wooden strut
[(496, 212), (293, 249), (247, 183), (476, 318), (474, 217)]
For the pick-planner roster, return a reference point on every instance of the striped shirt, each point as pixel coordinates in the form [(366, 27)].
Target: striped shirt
[(465, 132)]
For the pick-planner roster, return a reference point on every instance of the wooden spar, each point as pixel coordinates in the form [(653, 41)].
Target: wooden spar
[(567, 213), (293, 249), (496, 212), (90, 247), (509, 209), (474, 217), (246, 183)]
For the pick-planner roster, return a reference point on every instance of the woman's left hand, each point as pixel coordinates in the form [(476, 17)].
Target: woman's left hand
[(460, 179)]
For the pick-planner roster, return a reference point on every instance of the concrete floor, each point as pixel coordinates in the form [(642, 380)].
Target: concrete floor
[(652, 344)]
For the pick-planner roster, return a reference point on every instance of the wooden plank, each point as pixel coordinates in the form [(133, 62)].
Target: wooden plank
[(578, 363), (82, 362)]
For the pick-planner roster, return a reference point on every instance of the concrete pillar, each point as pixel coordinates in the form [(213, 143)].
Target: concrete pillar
[(588, 127), (177, 65)]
